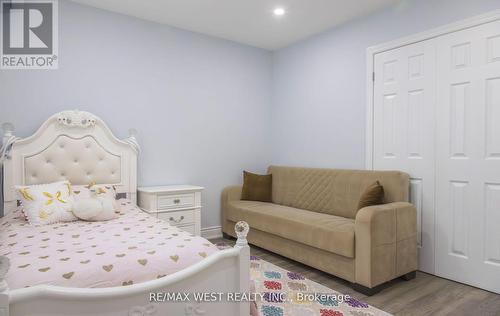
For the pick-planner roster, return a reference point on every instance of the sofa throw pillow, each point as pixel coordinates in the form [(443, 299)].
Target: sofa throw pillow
[(257, 187), (44, 204), (373, 195)]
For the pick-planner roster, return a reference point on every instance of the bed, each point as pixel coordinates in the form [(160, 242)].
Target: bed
[(103, 268)]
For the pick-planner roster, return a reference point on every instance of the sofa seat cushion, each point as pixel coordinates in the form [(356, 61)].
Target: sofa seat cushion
[(324, 231)]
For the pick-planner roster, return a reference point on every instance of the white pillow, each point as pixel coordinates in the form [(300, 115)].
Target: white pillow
[(94, 209), (95, 202), (108, 210), (86, 208), (87, 191), (47, 203), (90, 190)]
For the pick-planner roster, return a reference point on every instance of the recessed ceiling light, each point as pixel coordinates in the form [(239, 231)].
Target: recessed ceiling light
[(279, 11)]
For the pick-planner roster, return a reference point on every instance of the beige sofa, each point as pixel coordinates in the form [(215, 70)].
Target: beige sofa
[(314, 220)]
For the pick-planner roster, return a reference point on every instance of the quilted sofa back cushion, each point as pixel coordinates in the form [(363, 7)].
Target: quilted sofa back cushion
[(333, 191)]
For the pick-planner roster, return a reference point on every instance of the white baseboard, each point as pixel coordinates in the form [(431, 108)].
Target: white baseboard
[(211, 232)]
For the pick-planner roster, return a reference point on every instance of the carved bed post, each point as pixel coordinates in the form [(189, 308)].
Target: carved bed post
[(7, 141), (132, 139), (4, 288), (8, 131), (241, 229), (5, 150)]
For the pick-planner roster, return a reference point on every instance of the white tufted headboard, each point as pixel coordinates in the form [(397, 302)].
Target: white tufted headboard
[(72, 145)]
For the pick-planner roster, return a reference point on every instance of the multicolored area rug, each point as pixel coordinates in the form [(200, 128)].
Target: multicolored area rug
[(286, 293)]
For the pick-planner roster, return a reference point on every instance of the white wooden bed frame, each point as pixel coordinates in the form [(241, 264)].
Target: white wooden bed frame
[(78, 146)]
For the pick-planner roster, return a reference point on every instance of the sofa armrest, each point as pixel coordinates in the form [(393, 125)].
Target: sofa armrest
[(386, 242), (230, 193)]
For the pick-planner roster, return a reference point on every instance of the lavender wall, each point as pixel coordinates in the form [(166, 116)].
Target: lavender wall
[(201, 105), (319, 85)]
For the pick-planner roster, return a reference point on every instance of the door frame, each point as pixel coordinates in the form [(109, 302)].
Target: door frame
[(415, 38)]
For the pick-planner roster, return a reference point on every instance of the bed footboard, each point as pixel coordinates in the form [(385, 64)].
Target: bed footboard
[(216, 277)]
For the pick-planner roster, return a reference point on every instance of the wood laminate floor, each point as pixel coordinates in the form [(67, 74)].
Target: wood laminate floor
[(424, 295)]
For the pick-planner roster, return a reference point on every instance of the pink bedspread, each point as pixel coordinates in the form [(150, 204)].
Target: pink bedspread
[(134, 248)]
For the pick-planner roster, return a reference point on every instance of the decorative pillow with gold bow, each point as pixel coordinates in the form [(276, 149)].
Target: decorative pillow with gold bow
[(47, 203)]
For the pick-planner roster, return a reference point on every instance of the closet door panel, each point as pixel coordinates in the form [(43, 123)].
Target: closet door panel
[(468, 156), (404, 99)]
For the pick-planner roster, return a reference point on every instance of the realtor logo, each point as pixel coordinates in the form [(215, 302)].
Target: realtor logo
[(29, 34)]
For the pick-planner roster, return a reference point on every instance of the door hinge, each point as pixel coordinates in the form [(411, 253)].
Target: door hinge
[(373, 76)]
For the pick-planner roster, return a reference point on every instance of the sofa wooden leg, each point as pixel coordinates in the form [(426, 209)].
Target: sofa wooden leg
[(409, 276), (367, 290)]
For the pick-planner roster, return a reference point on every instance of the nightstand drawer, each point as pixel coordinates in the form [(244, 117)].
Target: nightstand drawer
[(175, 201), (178, 218)]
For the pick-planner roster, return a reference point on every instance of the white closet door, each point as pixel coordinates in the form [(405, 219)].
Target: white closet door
[(403, 134), (468, 156)]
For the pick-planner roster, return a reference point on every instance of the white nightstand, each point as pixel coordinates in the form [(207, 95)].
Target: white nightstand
[(180, 205)]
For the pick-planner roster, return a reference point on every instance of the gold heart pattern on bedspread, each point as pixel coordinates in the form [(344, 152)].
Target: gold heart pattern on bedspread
[(133, 248)]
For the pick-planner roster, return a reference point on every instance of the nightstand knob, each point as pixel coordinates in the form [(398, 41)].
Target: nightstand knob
[(177, 201), (176, 221)]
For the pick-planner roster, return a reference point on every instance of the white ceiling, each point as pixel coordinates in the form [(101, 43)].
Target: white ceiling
[(247, 21)]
